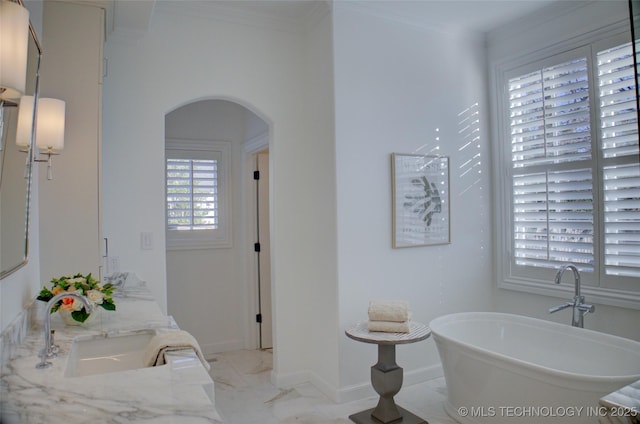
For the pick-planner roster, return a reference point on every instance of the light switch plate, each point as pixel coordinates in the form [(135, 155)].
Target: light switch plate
[(146, 241)]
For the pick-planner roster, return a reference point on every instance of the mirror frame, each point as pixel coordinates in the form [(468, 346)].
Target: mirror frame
[(29, 154)]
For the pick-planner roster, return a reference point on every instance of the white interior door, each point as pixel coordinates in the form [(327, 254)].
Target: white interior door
[(264, 256)]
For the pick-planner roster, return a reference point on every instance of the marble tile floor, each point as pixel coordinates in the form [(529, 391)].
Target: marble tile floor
[(245, 395)]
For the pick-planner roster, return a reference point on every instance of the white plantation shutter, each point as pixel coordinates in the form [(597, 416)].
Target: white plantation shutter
[(549, 112), (192, 194), (621, 185), (531, 238), (527, 119), (622, 220), (571, 218), (553, 219), (617, 94), (550, 136)]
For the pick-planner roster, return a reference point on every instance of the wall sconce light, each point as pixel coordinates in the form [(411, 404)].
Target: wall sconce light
[(25, 118), (14, 39), (49, 128)]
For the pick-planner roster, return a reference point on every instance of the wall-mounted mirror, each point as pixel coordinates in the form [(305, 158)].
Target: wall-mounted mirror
[(15, 175)]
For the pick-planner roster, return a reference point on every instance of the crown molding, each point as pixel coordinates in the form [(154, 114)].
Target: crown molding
[(380, 11)]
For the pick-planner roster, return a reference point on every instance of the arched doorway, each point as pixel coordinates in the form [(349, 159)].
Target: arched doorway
[(212, 289)]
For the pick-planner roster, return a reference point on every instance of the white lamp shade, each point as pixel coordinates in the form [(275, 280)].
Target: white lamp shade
[(14, 39), (25, 121), (50, 124)]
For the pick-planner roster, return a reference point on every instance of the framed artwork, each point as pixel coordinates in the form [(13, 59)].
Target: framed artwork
[(420, 192)]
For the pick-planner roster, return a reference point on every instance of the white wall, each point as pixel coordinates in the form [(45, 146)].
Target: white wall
[(319, 205), (400, 89), (562, 21), (184, 58), (71, 70)]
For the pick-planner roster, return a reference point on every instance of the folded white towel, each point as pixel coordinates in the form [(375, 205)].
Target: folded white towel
[(389, 310), (388, 326), (171, 341)]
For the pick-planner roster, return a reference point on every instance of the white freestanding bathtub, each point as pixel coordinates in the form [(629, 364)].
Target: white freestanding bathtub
[(503, 368)]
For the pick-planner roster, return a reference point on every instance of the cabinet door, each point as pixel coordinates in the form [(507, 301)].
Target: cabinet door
[(69, 205)]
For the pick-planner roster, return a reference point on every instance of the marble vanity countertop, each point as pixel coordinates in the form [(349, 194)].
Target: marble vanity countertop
[(623, 406), (179, 392)]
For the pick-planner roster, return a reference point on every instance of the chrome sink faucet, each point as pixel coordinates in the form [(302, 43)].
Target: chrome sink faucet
[(49, 350), (580, 309)]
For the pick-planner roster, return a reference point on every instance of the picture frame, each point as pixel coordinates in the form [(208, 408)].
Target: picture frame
[(420, 196)]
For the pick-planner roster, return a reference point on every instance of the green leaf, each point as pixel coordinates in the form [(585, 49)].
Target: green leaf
[(109, 306), (45, 295), (80, 316)]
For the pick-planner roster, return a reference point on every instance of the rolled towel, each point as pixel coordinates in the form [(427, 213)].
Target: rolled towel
[(171, 341), (389, 310), (388, 326)]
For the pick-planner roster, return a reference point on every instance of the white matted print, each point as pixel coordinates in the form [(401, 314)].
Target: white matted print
[(420, 185)]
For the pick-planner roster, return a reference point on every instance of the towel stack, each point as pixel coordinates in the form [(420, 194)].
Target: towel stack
[(170, 341), (391, 316)]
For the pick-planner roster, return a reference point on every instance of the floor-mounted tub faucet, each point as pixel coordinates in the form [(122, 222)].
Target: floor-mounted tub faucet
[(580, 309), (48, 351)]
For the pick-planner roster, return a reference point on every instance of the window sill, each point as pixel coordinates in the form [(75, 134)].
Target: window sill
[(198, 244), (617, 298)]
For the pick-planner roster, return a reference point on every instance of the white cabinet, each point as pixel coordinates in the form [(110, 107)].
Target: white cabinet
[(69, 205)]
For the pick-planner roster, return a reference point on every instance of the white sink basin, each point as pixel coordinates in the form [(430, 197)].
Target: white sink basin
[(102, 355)]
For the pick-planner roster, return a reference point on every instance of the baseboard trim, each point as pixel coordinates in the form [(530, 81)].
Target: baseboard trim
[(209, 350), (354, 392)]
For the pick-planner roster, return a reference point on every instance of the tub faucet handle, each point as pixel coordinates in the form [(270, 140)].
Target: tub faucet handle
[(586, 308), (560, 307)]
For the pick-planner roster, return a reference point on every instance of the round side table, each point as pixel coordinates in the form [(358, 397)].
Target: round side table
[(386, 375)]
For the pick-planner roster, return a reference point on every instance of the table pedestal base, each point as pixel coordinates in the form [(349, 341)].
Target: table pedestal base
[(365, 417), (386, 379)]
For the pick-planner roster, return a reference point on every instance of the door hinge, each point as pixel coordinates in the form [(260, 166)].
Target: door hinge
[(256, 175), (259, 318), (256, 247)]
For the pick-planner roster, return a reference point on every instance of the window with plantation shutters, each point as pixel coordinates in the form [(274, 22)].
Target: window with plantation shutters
[(196, 196), (192, 194), (573, 188)]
